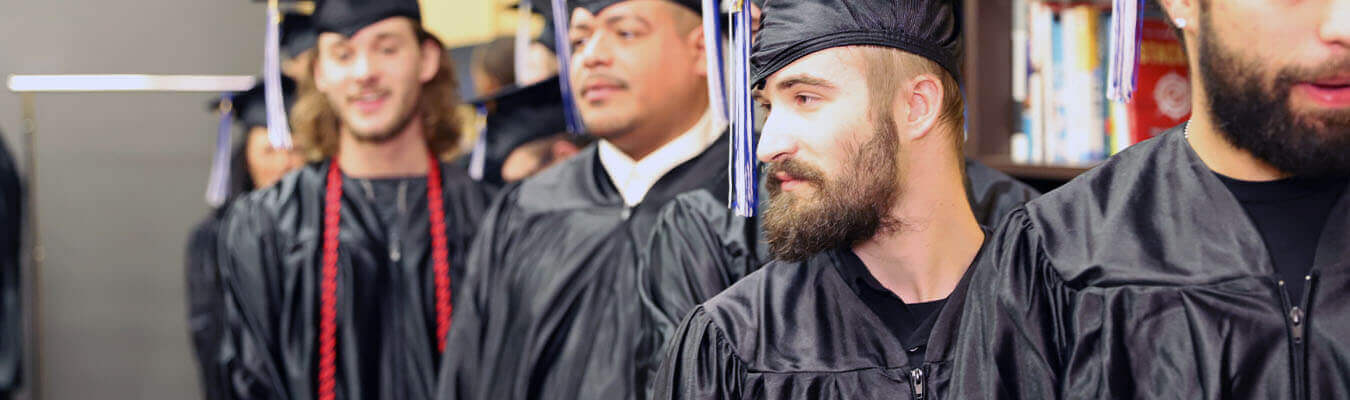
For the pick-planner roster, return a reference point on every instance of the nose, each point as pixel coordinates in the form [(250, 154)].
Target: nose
[(776, 143), (595, 51), (1336, 29), (362, 70)]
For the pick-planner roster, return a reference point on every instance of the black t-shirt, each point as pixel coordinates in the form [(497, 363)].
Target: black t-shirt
[(1290, 214), (911, 323)]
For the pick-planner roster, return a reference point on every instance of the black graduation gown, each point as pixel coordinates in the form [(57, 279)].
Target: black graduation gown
[(206, 308), (992, 194), (271, 253), (11, 313), (552, 308), (797, 330), (700, 243), (1144, 278)]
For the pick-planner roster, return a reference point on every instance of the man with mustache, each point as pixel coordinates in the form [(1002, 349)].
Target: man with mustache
[(1208, 263), (868, 220), (338, 279), (551, 309)]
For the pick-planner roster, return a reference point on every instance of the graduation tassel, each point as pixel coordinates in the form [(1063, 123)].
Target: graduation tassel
[(278, 128), (563, 47), (1126, 26), (217, 186), (712, 45), (743, 164), (478, 157)]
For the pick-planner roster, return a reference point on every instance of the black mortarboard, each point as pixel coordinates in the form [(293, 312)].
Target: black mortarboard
[(594, 6), (517, 116), (297, 34), (248, 109), (792, 29), (346, 17), (250, 106)]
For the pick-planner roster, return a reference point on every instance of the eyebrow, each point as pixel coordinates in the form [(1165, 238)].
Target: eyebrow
[(789, 82), (611, 20), (761, 96)]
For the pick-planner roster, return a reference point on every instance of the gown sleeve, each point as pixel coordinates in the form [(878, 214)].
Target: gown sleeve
[(250, 272), (471, 359), (205, 307), (701, 363), (698, 249), (1011, 343), (11, 310)]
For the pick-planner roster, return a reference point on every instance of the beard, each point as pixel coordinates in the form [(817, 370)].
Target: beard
[(845, 210), (1260, 119)]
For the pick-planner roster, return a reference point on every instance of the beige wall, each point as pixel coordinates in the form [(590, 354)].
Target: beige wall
[(466, 22)]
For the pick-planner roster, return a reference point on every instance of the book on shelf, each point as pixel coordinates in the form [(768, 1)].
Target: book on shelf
[(1059, 84)]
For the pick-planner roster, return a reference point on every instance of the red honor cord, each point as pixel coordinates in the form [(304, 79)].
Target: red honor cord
[(440, 256)]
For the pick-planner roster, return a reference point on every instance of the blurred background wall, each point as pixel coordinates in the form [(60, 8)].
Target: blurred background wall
[(121, 175)]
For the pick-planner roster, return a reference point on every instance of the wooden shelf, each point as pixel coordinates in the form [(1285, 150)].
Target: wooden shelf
[(1062, 173)]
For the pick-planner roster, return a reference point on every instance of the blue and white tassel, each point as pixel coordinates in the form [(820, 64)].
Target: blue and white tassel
[(743, 163), (563, 47), (1123, 72), (278, 128), (218, 185), (712, 47)]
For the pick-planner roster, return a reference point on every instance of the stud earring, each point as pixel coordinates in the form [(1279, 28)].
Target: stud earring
[(1181, 23)]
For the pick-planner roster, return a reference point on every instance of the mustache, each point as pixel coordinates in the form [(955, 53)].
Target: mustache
[(1337, 69), (796, 169), (599, 77)]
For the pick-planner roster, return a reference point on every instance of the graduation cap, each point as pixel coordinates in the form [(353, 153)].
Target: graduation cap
[(297, 34), (793, 29), (346, 17), (515, 116), (594, 6), (248, 109)]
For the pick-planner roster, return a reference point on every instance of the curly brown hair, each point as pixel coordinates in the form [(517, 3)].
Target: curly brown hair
[(314, 123)]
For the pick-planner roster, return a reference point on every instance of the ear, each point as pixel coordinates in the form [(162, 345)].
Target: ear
[(431, 60), (563, 149), (921, 107), (1184, 14), (695, 40)]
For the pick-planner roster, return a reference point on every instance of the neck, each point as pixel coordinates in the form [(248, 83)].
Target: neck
[(402, 155), (924, 259), (641, 142)]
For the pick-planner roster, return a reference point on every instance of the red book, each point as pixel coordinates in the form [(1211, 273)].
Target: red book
[(1163, 98)]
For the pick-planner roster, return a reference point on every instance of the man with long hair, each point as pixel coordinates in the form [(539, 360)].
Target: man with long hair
[(339, 278), (1209, 262)]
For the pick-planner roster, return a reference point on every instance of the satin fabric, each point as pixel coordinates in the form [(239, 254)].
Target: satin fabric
[(11, 310), (700, 243), (796, 330), (270, 253), (1144, 278), (553, 306), (206, 307)]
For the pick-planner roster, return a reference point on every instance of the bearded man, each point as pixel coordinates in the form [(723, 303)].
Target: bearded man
[(868, 219), (1208, 263)]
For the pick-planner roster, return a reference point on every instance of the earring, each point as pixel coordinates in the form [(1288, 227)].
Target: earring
[(1181, 23)]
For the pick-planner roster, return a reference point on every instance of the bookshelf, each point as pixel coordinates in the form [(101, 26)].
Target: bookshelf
[(1038, 72), (989, 102)]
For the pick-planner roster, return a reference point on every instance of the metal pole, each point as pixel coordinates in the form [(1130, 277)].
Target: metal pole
[(36, 253)]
